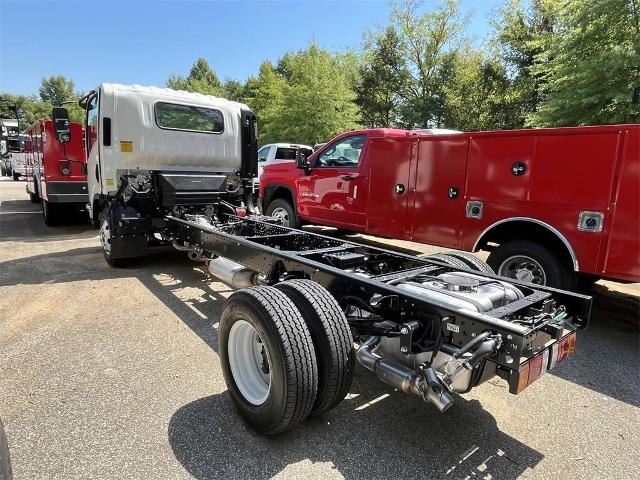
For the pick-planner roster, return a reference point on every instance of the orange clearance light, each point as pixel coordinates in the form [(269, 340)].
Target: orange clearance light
[(566, 347), (523, 377)]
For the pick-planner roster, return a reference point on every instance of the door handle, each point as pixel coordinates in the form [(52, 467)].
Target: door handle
[(453, 193), (349, 177), (399, 189), (97, 174)]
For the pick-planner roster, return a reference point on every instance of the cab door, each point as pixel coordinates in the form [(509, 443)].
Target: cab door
[(334, 191), (439, 192)]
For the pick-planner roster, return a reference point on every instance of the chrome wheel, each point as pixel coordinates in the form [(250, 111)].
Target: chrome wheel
[(523, 268), (249, 362), (105, 236), (282, 215)]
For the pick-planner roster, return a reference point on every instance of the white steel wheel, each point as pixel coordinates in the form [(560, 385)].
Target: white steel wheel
[(249, 362), (105, 236)]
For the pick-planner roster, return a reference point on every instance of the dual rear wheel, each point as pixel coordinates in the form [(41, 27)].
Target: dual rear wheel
[(286, 352)]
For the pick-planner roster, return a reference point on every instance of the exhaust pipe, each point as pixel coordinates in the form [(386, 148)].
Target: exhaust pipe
[(427, 386), (232, 273)]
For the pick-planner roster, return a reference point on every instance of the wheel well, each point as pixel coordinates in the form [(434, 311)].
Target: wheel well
[(278, 192), (530, 231)]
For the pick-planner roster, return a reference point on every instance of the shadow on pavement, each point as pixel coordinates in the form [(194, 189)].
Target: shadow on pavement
[(20, 221), (377, 434)]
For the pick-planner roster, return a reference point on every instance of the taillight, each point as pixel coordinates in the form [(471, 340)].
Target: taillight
[(65, 168), (536, 366), (241, 212)]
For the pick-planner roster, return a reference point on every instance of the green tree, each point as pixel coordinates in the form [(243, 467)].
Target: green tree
[(57, 89), (428, 42), (523, 31), (201, 79), (308, 97), (382, 76), (592, 69)]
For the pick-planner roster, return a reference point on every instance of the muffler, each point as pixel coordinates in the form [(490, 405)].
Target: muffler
[(231, 273), (426, 385)]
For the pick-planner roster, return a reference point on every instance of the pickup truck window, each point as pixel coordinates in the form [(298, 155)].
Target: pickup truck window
[(187, 117), (344, 153), (263, 153)]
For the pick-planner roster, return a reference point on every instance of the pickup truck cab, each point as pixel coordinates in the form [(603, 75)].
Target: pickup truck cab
[(551, 205), (280, 152)]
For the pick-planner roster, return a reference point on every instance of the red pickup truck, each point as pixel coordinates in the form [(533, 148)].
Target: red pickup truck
[(552, 206)]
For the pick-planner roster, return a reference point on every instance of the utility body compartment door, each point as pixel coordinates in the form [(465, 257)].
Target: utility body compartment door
[(438, 195), (389, 185)]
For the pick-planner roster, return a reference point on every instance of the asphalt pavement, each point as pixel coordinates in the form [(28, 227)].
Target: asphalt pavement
[(114, 373)]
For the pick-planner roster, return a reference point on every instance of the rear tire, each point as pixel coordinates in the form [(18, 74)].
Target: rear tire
[(50, 213), (448, 259), (16, 177), (332, 340), (531, 262), (282, 209), (473, 262), (34, 198), (285, 345)]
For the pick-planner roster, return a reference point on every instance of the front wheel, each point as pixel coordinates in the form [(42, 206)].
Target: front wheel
[(105, 241), (283, 211), (533, 263), (268, 359)]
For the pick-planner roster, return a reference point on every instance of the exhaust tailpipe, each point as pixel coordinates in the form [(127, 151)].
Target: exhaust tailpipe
[(232, 273), (427, 387)]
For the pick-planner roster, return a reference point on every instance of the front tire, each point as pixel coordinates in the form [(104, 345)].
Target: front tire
[(105, 241), (268, 359), (283, 210), (531, 262), (332, 340)]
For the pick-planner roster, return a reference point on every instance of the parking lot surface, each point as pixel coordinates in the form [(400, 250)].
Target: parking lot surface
[(114, 373)]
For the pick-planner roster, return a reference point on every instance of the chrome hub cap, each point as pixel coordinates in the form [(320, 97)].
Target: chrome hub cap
[(282, 215)]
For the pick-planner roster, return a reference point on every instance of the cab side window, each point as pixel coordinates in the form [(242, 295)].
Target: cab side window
[(263, 154), (344, 153)]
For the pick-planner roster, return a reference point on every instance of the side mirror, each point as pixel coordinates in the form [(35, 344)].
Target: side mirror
[(301, 160), (61, 124)]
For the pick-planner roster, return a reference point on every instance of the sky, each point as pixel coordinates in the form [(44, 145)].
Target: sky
[(144, 42)]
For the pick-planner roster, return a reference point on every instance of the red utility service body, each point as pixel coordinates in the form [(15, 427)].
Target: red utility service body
[(55, 171), (470, 191)]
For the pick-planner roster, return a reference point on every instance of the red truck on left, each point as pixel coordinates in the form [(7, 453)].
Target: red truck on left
[(56, 170)]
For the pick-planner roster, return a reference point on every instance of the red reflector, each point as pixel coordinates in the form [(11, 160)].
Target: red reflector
[(535, 368), (241, 212)]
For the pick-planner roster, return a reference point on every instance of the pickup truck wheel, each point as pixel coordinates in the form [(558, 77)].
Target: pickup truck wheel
[(281, 209), (268, 359), (531, 262), (105, 241), (50, 213), (472, 262), (332, 340)]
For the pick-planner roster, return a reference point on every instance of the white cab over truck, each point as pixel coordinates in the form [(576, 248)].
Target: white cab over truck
[(175, 168)]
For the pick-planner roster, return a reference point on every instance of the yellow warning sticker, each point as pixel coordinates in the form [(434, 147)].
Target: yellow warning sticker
[(110, 181), (126, 146)]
